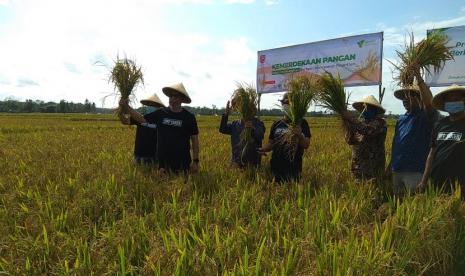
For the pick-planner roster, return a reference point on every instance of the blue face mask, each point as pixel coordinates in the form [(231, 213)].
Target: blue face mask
[(149, 109), (454, 107), (369, 113)]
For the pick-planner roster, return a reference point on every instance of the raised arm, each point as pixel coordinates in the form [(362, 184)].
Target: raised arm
[(225, 127), (425, 93)]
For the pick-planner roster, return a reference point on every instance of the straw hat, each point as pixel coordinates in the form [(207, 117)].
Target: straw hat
[(438, 100), (152, 100), (369, 100), (400, 93), (177, 88)]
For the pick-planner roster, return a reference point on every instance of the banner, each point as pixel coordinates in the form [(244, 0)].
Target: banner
[(454, 70), (358, 59)]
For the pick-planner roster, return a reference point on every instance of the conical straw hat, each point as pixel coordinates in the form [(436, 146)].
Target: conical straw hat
[(177, 88), (400, 93), (152, 100), (370, 100), (438, 100)]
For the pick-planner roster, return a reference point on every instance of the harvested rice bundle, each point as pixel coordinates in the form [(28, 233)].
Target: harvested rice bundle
[(125, 76), (430, 52), (332, 95), (302, 90), (244, 101)]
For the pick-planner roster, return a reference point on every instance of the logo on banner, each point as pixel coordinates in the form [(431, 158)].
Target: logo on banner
[(262, 59), (360, 43)]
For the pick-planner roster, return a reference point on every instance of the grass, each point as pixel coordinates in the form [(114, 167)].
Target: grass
[(72, 203)]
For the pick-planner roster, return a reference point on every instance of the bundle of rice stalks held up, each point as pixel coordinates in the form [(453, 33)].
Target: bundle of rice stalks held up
[(431, 52), (125, 76), (332, 95), (244, 101), (302, 90)]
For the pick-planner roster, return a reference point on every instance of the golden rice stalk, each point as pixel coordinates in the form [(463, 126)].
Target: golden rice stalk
[(302, 90), (125, 76), (332, 95), (430, 52), (245, 101)]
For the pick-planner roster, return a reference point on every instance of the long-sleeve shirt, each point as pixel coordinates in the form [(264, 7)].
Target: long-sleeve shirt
[(367, 138), (234, 129)]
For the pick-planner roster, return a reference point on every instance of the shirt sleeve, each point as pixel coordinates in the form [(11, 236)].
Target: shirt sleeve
[(305, 129), (225, 127), (368, 130)]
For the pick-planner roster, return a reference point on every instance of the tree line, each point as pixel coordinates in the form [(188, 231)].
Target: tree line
[(30, 106)]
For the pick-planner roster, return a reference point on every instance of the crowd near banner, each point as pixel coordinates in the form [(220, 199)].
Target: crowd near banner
[(358, 60), (454, 70)]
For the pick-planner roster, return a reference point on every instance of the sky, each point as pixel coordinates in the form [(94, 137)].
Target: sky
[(62, 49)]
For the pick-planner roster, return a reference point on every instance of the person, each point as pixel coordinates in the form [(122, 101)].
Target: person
[(446, 158), (239, 158), (177, 132), (366, 136), (284, 167), (412, 135), (145, 144)]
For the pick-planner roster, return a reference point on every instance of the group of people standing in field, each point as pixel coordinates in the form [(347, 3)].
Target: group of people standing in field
[(426, 146)]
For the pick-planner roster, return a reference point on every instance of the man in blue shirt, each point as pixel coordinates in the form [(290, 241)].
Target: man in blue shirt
[(412, 138), (240, 158)]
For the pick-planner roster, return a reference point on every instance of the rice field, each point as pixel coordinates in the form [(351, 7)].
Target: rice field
[(73, 203)]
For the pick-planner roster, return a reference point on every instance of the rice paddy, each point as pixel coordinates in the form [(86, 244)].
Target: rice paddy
[(73, 203)]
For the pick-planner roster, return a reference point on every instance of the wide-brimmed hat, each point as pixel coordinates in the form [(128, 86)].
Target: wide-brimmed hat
[(438, 100), (179, 89), (152, 100), (400, 93), (368, 100), (285, 98)]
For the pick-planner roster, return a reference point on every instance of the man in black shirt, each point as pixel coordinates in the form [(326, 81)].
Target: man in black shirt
[(177, 130), (145, 145), (446, 160), (283, 167)]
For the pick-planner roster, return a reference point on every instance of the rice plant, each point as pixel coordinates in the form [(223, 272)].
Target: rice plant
[(431, 53), (125, 76), (332, 95), (302, 90), (245, 101)]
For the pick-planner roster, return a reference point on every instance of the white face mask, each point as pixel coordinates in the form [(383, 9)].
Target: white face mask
[(454, 107)]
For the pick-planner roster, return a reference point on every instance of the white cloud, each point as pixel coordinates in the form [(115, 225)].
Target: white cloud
[(53, 46), (4, 2)]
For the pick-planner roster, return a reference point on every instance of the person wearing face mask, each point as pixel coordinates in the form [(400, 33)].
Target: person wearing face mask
[(446, 160), (412, 135), (366, 135), (284, 168), (145, 144), (177, 132)]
